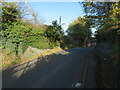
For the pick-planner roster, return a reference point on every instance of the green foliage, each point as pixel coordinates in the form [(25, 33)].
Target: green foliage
[(40, 42), (79, 31), (15, 62), (67, 42), (54, 33), (10, 12), (17, 33), (105, 16), (98, 12)]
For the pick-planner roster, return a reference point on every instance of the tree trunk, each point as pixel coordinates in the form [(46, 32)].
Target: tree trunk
[(16, 49)]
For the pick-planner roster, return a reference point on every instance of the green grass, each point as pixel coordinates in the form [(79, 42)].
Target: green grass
[(15, 61), (4, 65), (18, 60)]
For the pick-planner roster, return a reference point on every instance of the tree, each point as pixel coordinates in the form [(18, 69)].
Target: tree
[(54, 33), (14, 29), (79, 31), (98, 12), (17, 33), (10, 14), (105, 16)]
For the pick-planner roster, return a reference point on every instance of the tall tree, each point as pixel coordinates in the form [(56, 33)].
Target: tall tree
[(79, 30), (105, 16), (10, 14), (14, 29), (54, 33)]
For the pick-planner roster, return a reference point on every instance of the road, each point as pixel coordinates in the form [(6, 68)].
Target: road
[(63, 70)]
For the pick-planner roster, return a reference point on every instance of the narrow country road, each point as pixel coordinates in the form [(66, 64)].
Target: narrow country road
[(63, 70)]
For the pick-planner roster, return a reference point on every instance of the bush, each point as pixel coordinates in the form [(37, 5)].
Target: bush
[(40, 43)]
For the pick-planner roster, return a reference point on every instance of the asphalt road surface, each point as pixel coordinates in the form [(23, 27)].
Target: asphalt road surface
[(73, 68)]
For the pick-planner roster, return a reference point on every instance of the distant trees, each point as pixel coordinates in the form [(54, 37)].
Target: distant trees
[(79, 31)]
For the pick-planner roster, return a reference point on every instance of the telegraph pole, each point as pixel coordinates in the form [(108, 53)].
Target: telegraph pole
[(60, 20)]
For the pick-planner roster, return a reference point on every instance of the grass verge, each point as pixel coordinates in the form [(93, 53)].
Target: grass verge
[(7, 64)]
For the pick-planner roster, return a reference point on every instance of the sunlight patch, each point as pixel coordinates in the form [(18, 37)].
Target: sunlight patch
[(76, 85)]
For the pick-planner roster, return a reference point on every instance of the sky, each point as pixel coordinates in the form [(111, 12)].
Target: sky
[(50, 11)]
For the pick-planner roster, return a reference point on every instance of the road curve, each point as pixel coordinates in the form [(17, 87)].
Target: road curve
[(64, 70)]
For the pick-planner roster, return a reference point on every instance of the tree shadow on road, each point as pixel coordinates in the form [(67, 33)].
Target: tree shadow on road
[(20, 76)]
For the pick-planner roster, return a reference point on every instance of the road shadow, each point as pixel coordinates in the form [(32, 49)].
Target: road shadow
[(13, 77)]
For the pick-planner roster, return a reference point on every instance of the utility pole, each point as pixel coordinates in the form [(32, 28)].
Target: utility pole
[(60, 20)]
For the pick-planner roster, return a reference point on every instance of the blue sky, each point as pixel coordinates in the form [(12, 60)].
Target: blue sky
[(49, 11)]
